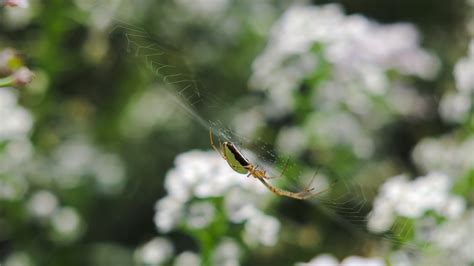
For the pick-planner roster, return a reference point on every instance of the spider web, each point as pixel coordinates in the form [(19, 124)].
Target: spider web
[(347, 203)]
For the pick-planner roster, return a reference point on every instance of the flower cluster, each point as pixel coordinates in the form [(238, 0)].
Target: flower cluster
[(11, 66), (77, 159), (15, 3), (358, 50), (16, 120), (456, 105), (159, 251), (196, 180), (198, 176), (329, 260), (400, 197), (446, 153), (345, 62), (336, 82)]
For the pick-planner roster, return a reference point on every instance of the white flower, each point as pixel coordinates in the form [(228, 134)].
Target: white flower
[(339, 128), (455, 107), (330, 260), (187, 258), (204, 8), (240, 205), (23, 76), (153, 108), (413, 199), (227, 253), (6, 56), (155, 252), (447, 154), (321, 260), (453, 208), (464, 71), (15, 156), (201, 175), (73, 159), (15, 18), (66, 223), (77, 158), (262, 229), (12, 187), (43, 204), (401, 258), (455, 237), (109, 173), (360, 51), (247, 122), (168, 212), (200, 215), (16, 121), (407, 101), (17, 3), (19, 259), (382, 217), (291, 141), (360, 261)]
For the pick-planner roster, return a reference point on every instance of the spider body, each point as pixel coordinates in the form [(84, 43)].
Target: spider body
[(235, 158), (240, 164)]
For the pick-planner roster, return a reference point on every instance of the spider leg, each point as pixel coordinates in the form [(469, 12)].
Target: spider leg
[(214, 146), (252, 171), (302, 195), (281, 174), (285, 168), (307, 189), (280, 192)]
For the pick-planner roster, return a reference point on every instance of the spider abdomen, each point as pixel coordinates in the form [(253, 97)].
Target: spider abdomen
[(235, 158)]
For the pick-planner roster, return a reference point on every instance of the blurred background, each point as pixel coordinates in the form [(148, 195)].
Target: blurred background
[(105, 109)]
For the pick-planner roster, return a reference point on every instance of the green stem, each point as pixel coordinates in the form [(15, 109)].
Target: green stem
[(207, 247), (8, 81)]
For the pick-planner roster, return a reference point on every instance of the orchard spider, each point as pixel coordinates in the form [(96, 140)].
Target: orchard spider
[(241, 165)]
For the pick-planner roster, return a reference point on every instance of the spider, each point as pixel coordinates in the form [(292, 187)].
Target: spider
[(242, 165)]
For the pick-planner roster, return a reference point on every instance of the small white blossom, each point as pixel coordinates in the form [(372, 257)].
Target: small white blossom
[(16, 3), (16, 121), (77, 158), (168, 212), (66, 223), (187, 258), (455, 107), (12, 187), (464, 71), (330, 260), (412, 199), (321, 260), (155, 252), (360, 51), (19, 259), (339, 128), (361, 261), (227, 253), (43, 204), (456, 238), (200, 215), (109, 173), (447, 154), (291, 141), (240, 205), (151, 109), (73, 159), (22, 76), (204, 8), (201, 175), (262, 229)]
